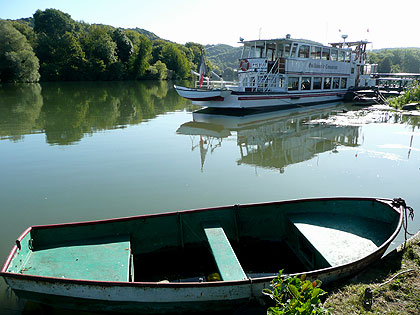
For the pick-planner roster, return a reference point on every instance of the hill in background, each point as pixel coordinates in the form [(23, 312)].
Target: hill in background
[(224, 58)]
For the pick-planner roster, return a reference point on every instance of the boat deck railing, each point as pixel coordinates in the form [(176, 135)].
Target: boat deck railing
[(211, 84)]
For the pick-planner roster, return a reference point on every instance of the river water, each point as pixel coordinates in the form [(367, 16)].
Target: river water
[(86, 151)]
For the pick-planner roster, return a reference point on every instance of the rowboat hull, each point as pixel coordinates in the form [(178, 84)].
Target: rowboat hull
[(374, 221)]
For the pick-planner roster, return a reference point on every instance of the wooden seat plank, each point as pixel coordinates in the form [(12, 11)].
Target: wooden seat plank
[(229, 267)]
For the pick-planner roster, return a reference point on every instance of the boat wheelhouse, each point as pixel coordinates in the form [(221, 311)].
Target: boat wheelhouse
[(287, 72)]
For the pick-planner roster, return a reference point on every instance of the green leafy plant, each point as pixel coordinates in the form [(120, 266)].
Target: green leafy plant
[(412, 95), (295, 295)]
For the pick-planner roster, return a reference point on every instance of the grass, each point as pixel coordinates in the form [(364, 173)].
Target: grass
[(394, 281)]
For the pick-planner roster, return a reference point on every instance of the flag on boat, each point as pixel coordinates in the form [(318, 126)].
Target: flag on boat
[(203, 69)]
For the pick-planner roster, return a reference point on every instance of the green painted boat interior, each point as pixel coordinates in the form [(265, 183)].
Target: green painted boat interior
[(236, 242)]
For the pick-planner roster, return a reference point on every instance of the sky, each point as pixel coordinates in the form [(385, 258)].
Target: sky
[(386, 23)]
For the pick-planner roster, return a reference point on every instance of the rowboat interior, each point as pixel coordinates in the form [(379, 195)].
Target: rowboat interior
[(221, 244)]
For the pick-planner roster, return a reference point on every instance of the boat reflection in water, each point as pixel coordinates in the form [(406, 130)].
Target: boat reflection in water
[(272, 139)]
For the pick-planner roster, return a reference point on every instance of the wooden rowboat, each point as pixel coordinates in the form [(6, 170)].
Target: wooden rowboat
[(195, 260)]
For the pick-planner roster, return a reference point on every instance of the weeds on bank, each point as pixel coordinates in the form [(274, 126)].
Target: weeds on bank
[(412, 95), (295, 295), (391, 286)]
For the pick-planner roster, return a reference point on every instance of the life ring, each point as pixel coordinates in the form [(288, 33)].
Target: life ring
[(244, 65)]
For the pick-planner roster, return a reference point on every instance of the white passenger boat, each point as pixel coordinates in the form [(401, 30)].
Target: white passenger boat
[(287, 72)]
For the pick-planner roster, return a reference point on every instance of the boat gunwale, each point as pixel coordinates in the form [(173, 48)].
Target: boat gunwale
[(312, 273)]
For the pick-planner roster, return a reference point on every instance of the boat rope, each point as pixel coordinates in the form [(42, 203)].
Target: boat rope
[(395, 276), (401, 203)]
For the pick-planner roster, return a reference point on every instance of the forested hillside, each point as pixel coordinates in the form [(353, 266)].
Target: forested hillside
[(54, 47), (224, 58), (396, 60)]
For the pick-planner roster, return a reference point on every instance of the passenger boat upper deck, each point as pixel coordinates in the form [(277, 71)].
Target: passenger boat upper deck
[(287, 72)]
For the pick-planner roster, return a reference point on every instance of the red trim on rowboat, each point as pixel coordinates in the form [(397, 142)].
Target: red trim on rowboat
[(13, 251), (212, 98), (254, 98), (9, 259)]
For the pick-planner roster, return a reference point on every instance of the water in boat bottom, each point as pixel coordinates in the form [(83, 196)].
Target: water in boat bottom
[(196, 263)]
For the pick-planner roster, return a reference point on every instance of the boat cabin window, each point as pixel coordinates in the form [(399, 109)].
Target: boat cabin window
[(334, 54), (294, 49), (286, 50), (341, 55), (317, 83), (252, 52), (305, 83), (348, 54), (327, 83), (256, 52), (336, 83), (315, 52), (293, 84), (270, 54), (325, 54), (303, 51), (343, 83), (283, 50)]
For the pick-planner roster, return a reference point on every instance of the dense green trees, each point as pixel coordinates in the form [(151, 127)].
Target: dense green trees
[(18, 62), (396, 60), (68, 50)]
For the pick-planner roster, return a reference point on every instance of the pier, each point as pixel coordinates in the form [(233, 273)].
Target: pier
[(386, 85)]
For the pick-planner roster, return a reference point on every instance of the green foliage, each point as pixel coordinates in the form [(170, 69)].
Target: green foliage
[(124, 45), (140, 62), (71, 50), (295, 295), (99, 45), (158, 71), (396, 60), (26, 30), (412, 95), (157, 47), (53, 23), (176, 61), (18, 62), (225, 59)]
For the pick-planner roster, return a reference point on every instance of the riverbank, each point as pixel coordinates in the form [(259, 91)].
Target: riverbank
[(393, 281), (409, 100)]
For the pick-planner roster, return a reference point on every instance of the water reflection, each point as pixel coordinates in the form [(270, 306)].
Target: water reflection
[(274, 139), (20, 109), (68, 112)]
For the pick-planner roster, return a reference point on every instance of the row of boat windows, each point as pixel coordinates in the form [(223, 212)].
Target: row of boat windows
[(296, 83), (316, 83), (296, 50)]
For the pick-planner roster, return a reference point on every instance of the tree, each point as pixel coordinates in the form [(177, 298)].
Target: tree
[(101, 52), (140, 61), (53, 28), (176, 61), (53, 23), (124, 45), (27, 31), (99, 45), (195, 52), (71, 58), (157, 47), (157, 71), (18, 62)]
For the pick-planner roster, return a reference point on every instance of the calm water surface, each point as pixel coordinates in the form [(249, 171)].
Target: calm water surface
[(87, 151)]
